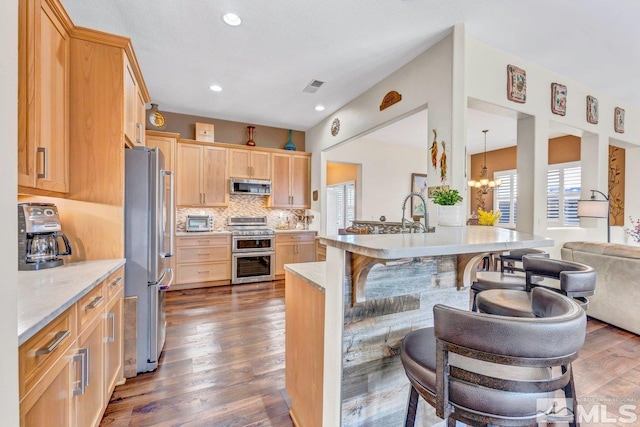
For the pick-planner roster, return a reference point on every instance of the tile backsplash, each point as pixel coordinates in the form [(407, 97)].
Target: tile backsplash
[(241, 206)]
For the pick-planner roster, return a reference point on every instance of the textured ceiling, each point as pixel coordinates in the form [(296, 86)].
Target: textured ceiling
[(184, 47)]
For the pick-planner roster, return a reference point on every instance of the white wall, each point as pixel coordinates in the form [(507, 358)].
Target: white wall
[(8, 215), (426, 80), (385, 175)]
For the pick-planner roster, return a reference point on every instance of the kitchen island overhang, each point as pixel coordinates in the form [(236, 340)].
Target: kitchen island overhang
[(377, 288)]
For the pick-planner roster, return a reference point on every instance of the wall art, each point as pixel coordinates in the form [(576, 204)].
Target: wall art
[(558, 99), (418, 185), (618, 124), (516, 84), (335, 126), (592, 110), (389, 99)]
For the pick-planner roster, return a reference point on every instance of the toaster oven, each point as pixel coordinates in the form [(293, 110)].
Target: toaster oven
[(199, 223)]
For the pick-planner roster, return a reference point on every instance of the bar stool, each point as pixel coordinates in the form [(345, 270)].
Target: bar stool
[(576, 281), (506, 278), (483, 369)]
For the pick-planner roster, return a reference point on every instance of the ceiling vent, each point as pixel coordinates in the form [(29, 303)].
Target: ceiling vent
[(313, 86)]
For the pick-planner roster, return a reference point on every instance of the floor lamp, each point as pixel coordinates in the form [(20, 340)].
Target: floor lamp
[(593, 208)]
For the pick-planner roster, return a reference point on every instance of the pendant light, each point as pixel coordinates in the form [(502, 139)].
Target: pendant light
[(484, 184)]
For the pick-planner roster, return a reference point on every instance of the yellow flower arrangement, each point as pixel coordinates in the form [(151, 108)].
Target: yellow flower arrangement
[(488, 218)]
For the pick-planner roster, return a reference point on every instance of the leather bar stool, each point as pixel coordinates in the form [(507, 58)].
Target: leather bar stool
[(482, 369), (575, 280), (510, 275)]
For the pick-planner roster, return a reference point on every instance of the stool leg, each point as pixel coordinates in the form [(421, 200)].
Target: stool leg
[(412, 408)]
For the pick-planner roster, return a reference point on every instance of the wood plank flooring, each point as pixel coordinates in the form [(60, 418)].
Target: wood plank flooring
[(223, 365)]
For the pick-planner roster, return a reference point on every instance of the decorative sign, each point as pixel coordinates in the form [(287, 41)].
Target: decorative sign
[(618, 123), (389, 99), (335, 126), (558, 99), (592, 110), (516, 84)]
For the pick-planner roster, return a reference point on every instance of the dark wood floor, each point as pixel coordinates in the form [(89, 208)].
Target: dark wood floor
[(223, 365)]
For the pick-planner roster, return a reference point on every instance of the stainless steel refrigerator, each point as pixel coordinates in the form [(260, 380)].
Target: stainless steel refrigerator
[(149, 222)]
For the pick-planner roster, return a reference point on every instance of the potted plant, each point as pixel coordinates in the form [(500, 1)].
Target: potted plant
[(450, 212)]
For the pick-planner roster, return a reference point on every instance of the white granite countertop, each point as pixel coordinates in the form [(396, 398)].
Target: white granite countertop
[(445, 241), (44, 295), (312, 272), (202, 233)]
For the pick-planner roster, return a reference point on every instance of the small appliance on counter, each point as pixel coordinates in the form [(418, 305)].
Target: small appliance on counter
[(38, 234), (199, 223)]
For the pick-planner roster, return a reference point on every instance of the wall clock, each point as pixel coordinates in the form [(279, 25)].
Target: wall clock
[(335, 126), (155, 118)]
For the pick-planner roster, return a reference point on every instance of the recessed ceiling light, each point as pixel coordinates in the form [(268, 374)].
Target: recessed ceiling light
[(319, 107), (232, 19), (215, 88)]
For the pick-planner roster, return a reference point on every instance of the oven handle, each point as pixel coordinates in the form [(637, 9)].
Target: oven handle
[(248, 254)]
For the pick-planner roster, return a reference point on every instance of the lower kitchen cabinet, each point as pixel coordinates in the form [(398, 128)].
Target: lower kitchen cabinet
[(294, 247), (203, 261), (69, 369)]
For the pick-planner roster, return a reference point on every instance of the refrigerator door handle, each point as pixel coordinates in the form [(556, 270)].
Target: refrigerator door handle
[(162, 286), (171, 220)]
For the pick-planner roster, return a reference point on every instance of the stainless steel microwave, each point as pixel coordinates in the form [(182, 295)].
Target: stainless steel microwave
[(258, 187), (199, 223)]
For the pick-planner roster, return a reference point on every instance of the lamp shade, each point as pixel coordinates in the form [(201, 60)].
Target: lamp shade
[(593, 208)]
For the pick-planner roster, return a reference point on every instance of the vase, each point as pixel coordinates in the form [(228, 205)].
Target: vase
[(290, 145), (251, 130), (451, 216)]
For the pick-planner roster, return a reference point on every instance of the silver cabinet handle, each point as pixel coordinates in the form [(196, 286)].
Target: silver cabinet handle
[(204, 198), (87, 365), (94, 304), (139, 133), (112, 316), (60, 336), (203, 271), (80, 357), (116, 282), (43, 150), (203, 253)]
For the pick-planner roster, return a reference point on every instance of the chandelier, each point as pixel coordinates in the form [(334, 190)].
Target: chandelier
[(484, 184)]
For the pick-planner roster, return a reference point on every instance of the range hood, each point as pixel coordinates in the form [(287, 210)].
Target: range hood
[(258, 187)]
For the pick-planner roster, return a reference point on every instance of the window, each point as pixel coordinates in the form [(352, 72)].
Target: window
[(341, 206), (563, 193), (504, 197)]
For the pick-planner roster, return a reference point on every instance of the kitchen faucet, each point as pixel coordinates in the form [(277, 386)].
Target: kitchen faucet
[(426, 212)]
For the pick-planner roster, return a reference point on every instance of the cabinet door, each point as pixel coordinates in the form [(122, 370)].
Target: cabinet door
[(300, 182), (188, 176), (285, 254), (43, 102), (260, 165), (130, 104), (280, 190), (239, 163), (90, 404), (214, 179), (306, 252), (114, 348), (50, 403)]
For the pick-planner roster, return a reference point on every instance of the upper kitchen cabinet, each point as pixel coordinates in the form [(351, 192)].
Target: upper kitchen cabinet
[(43, 96), (134, 108), (291, 181), (201, 175), (246, 163)]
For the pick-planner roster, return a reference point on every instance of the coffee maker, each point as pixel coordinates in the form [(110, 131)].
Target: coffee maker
[(38, 234)]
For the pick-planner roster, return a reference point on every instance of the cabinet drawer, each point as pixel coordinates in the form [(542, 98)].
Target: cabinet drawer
[(204, 241), (204, 272), (294, 237), (90, 305), (42, 350), (114, 283), (202, 254)]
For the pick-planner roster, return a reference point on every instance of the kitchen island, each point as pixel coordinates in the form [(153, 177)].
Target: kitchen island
[(374, 290)]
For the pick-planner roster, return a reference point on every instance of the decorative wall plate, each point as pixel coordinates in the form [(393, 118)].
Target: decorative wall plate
[(592, 110), (335, 126), (155, 118), (618, 124), (558, 99), (516, 84)]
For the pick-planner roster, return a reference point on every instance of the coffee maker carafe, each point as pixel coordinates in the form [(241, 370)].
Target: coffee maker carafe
[(39, 236)]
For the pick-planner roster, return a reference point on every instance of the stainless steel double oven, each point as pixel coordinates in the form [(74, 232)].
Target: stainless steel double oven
[(252, 250)]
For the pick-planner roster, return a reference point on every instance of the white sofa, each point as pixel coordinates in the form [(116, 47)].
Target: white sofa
[(617, 296)]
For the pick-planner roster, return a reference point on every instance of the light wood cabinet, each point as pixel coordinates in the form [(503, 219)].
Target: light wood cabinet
[(293, 248), (291, 181), (69, 369), (134, 108), (203, 259), (201, 176), (43, 96), (246, 163)]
